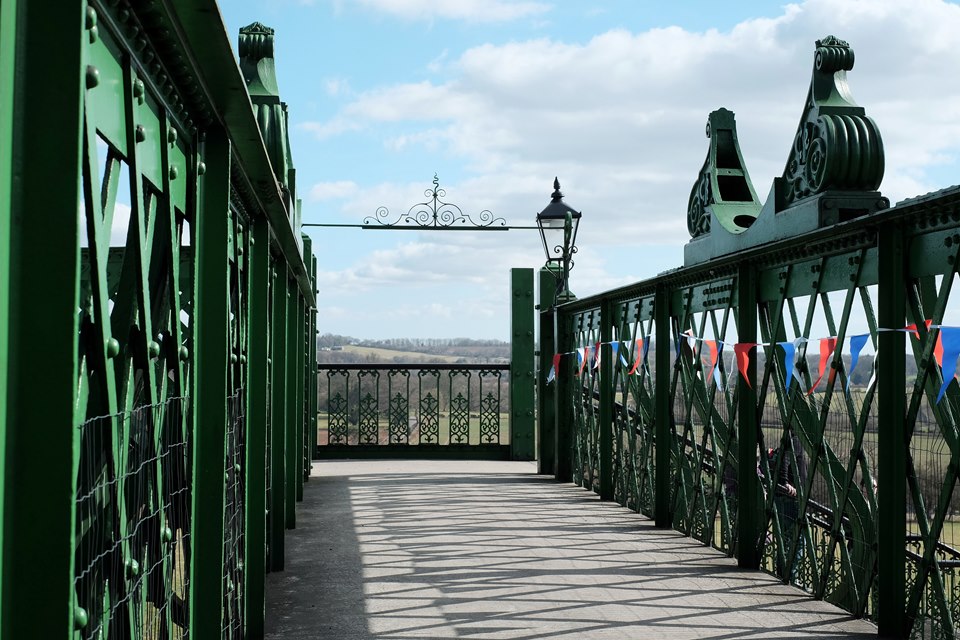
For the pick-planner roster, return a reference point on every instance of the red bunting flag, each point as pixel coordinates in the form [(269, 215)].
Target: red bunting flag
[(712, 347), (552, 374), (636, 363), (741, 351), (937, 348), (827, 347)]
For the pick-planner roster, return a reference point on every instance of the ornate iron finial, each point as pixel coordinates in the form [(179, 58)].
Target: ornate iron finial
[(723, 188), (837, 146), (557, 196), (434, 213)]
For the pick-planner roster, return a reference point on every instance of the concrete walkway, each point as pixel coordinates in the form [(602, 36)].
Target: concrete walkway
[(490, 550)]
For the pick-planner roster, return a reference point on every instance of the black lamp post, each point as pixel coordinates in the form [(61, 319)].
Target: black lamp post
[(558, 217)]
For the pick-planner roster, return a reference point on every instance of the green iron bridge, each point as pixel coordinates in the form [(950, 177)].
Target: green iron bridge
[(161, 405)]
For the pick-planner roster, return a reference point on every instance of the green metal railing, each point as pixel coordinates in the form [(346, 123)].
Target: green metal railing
[(669, 426), (149, 226)]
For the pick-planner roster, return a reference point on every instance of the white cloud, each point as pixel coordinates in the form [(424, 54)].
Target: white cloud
[(466, 10), (332, 190), (620, 120)]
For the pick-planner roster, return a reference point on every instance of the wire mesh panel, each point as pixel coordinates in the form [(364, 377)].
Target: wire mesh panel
[(233, 519), (133, 523)]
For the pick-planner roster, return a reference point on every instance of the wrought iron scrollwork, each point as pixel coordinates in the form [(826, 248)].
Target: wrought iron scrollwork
[(435, 213)]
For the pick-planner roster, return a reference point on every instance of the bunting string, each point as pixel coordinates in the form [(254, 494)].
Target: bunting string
[(946, 353)]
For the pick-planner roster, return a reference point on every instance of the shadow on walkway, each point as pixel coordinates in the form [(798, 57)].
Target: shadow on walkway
[(483, 550)]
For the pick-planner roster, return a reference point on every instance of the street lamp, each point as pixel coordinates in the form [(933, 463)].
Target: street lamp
[(558, 217)]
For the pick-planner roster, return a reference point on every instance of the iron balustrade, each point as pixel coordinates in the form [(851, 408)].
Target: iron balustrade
[(414, 407)]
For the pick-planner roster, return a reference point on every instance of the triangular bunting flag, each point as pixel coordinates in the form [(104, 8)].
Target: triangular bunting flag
[(741, 352), (827, 346), (951, 351), (641, 352), (856, 345), (596, 355), (552, 374)]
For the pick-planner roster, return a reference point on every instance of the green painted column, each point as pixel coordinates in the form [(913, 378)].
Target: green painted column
[(567, 387), (310, 365), (892, 446), (522, 383), (300, 350), (278, 418), (40, 147), (750, 517), (211, 353), (8, 12), (663, 409), (547, 393), (292, 451), (256, 436), (606, 400)]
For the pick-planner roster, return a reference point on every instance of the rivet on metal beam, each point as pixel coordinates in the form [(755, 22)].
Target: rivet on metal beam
[(153, 349), (93, 76), (171, 135), (140, 133), (80, 617), (173, 172), (138, 90), (133, 568), (113, 348), (184, 354), (167, 534), (201, 168)]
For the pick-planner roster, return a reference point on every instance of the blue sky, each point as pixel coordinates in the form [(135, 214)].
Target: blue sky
[(499, 96)]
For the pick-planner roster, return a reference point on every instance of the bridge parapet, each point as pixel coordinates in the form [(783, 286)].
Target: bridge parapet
[(143, 223)]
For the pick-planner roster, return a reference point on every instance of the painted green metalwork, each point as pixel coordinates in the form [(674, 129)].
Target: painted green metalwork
[(279, 388), (833, 170), (8, 13), (257, 429), (546, 393), (43, 96), (780, 466), (155, 435), (522, 381)]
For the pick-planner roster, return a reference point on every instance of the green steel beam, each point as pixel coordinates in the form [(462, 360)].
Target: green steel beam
[(606, 400), (310, 364), (211, 353), (8, 13), (209, 55), (292, 451), (278, 420), (256, 436), (663, 408), (749, 517), (39, 199), (546, 396), (891, 449), (522, 383), (300, 347)]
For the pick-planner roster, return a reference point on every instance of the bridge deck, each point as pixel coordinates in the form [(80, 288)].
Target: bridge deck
[(490, 550)]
